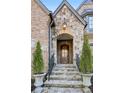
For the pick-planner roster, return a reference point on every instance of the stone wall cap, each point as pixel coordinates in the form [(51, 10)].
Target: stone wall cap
[(36, 75), (90, 74)]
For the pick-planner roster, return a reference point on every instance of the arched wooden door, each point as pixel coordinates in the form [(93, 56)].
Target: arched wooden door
[(64, 51), (64, 57)]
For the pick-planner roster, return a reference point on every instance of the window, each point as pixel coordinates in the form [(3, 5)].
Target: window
[(90, 23), (64, 51), (89, 20)]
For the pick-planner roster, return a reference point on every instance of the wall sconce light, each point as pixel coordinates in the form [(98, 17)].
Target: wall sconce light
[(64, 26)]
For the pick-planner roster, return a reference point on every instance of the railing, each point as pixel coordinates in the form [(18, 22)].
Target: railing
[(51, 65), (78, 61)]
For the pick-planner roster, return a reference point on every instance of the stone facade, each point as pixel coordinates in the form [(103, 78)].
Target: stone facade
[(74, 28), (39, 29), (40, 21)]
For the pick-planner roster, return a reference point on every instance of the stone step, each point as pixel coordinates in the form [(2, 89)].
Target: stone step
[(65, 66), (63, 69), (65, 73), (62, 90), (64, 84), (64, 77)]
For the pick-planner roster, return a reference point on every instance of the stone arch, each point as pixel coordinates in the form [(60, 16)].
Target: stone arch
[(64, 36), (67, 31)]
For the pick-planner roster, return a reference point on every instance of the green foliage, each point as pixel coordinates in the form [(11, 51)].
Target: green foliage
[(38, 64), (86, 59)]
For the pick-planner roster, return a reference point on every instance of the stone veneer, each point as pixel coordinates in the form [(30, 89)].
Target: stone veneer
[(39, 30), (74, 28)]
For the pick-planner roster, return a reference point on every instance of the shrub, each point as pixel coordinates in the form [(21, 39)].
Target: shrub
[(86, 59), (38, 64)]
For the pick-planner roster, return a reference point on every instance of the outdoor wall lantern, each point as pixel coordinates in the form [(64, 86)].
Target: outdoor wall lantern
[(64, 26)]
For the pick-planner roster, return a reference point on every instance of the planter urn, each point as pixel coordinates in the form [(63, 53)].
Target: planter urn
[(38, 82), (87, 82), (87, 79)]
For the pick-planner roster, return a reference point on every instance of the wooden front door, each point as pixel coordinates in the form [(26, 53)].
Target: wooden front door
[(64, 51), (64, 54)]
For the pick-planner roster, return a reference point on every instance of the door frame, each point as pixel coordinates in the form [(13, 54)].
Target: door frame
[(65, 42)]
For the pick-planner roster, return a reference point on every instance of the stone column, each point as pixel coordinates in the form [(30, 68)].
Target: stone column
[(74, 57), (55, 50)]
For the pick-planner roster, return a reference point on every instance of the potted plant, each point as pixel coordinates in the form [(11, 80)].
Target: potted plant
[(38, 67), (86, 62)]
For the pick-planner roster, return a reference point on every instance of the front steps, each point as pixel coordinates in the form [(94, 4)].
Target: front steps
[(62, 90), (65, 78)]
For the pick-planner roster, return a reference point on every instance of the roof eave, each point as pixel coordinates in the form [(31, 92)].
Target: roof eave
[(87, 13), (43, 6), (83, 3), (71, 8)]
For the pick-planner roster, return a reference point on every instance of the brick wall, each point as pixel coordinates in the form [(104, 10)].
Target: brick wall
[(39, 29)]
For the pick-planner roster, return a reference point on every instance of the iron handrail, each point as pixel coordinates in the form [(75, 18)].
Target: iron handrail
[(51, 65), (78, 61)]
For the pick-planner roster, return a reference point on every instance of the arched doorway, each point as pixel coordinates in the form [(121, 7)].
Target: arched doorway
[(64, 49)]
